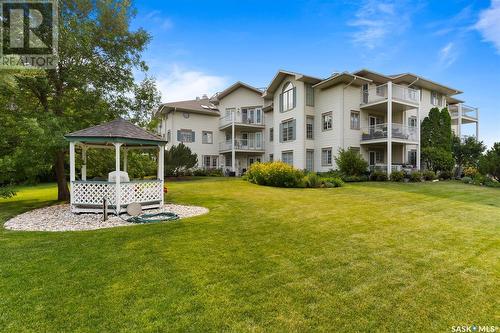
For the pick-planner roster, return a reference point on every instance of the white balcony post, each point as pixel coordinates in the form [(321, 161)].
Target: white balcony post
[(233, 152), (72, 173), (418, 133), (459, 127), (118, 180), (389, 128), (125, 159), (84, 163)]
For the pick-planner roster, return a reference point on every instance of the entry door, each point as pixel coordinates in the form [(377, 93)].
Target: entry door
[(373, 158)]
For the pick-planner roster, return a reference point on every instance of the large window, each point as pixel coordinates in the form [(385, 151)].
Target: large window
[(436, 98), (287, 131), (309, 95), (210, 161), (287, 98), (355, 120), (207, 137), (185, 136), (287, 157), (271, 134), (309, 160), (326, 156), (310, 127), (326, 121)]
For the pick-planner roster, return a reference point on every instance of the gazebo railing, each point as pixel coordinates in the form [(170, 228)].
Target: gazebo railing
[(92, 193)]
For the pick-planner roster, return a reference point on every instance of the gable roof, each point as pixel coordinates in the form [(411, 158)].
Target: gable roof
[(201, 105), (409, 78), (115, 131), (234, 87), (343, 77), (281, 75)]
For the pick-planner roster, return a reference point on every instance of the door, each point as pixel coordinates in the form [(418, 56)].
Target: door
[(244, 116), (244, 140), (258, 140), (373, 158)]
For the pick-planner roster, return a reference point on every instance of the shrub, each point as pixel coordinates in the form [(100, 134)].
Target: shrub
[(416, 177), (352, 179), (312, 180), (490, 162), (444, 175), (278, 174), (378, 176), (467, 180), (6, 192), (479, 179), (429, 175), (350, 163), (397, 176), (438, 159), (208, 172), (470, 172), (332, 182)]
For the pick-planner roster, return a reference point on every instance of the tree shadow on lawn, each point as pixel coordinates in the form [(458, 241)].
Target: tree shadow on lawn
[(449, 190), (9, 209)]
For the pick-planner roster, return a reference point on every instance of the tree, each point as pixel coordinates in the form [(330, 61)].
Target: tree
[(436, 140), (179, 158), (489, 163), (94, 76), (350, 163), (467, 152), (437, 159)]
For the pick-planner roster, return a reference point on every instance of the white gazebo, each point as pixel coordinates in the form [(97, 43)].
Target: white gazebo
[(122, 136)]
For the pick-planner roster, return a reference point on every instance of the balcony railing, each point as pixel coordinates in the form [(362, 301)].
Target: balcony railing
[(242, 144), (467, 111), (379, 93), (243, 119), (399, 131)]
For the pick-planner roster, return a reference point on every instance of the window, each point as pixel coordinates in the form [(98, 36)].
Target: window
[(326, 121), (309, 127), (210, 161), (271, 134), (364, 93), (436, 98), (412, 157), (287, 131), (185, 136), (287, 157), (326, 156), (169, 136), (309, 95), (355, 121), (376, 157), (309, 160), (251, 115), (287, 97), (207, 137), (185, 115), (271, 157), (229, 111), (412, 122)]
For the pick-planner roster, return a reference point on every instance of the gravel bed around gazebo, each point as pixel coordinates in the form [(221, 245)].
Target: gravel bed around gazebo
[(59, 218)]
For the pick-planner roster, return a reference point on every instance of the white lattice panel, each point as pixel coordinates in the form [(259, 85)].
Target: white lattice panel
[(93, 193)]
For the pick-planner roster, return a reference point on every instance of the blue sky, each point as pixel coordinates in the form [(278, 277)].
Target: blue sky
[(200, 47)]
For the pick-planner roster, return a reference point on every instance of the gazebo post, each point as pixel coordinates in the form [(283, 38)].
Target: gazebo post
[(72, 173), (84, 162), (161, 173), (125, 159), (118, 195)]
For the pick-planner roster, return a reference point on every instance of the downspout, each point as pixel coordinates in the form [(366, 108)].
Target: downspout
[(343, 111)]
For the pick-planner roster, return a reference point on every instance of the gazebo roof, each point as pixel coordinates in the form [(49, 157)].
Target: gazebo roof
[(118, 130)]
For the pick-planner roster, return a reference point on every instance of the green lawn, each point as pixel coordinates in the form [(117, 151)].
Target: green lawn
[(365, 257)]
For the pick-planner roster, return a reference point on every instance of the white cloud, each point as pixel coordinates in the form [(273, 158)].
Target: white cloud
[(177, 83), (156, 17), (447, 55), (376, 21), (489, 24)]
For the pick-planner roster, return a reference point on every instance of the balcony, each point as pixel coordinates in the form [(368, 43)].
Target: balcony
[(379, 94), (242, 145), (469, 113), (243, 119), (400, 133)]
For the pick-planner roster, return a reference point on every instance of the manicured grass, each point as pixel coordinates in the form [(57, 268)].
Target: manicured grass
[(365, 257)]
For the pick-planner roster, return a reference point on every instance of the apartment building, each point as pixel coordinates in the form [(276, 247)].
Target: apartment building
[(304, 120)]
